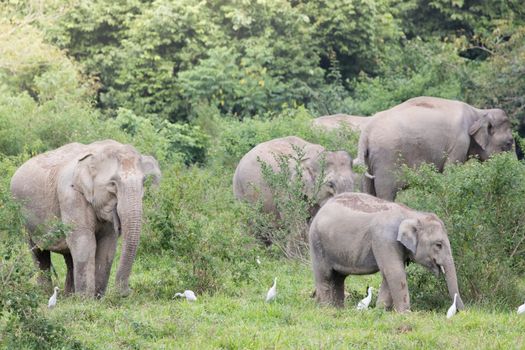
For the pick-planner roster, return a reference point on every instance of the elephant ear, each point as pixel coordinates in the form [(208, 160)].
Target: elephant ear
[(479, 130), (83, 177), (407, 234), (151, 167)]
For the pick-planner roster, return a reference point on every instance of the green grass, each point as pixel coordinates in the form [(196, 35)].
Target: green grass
[(241, 319)]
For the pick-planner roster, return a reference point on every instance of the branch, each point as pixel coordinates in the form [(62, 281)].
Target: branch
[(483, 48)]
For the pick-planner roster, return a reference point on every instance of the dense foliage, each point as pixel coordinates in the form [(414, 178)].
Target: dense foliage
[(199, 83), (481, 205)]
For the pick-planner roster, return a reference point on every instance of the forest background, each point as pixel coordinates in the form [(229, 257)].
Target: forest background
[(197, 84)]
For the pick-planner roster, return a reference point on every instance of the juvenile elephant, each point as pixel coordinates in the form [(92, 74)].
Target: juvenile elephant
[(250, 185), (358, 234), (333, 122), (431, 130), (95, 191)]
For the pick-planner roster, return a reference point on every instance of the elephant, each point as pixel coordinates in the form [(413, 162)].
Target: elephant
[(427, 130), (359, 234), (333, 122), (93, 193), (249, 184)]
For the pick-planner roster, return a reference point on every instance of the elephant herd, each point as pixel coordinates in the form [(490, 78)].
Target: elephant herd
[(96, 191), (356, 233)]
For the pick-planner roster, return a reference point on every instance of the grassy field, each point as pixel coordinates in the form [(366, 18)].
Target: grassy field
[(242, 320)]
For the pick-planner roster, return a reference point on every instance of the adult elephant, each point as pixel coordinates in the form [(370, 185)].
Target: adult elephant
[(431, 130), (357, 234), (93, 193), (336, 121), (250, 185)]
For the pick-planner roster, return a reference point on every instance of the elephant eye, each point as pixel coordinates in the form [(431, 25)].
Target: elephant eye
[(439, 245), (112, 186), (331, 184), (490, 129)]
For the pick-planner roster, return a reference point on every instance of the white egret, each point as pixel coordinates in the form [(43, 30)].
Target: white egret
[(521, 309), (272, 292), (453, 308), (363, 304), (258, 261), (53, 299), (188, 294)]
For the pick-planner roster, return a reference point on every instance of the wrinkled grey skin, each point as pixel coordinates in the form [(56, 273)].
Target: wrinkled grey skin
[(333, 122), (249, 184), (358, 234), (430, 130), (96, 190)]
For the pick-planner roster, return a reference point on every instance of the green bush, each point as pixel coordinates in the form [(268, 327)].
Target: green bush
[(481, 205), (166, 141), (415, 68), (194, 218), (289, 231), (236, 137), (44, 100)]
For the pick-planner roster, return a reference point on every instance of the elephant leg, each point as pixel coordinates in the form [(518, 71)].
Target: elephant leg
[(323, 285), (391, 264), (329, 288), (69, 285), (82, 245), (338, 289), (106, 246), (385, 186), (397, 284), (42, 259), (384, 299)]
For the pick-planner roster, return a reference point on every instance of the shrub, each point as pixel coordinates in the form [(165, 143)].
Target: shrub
[(236, 138), (415, 68), (166, 141), (194, 218), (44, 101), (288, 232), (481, 205)]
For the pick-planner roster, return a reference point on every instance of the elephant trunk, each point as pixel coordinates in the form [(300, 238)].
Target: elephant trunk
[(129, 209), (345, 183), (452, 282)]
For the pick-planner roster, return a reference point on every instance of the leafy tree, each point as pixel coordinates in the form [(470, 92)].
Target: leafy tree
[(356, 31), (476, 19)]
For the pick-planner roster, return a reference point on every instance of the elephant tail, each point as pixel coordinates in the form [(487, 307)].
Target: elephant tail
[(367, 183), (362, 149), (362, 154)]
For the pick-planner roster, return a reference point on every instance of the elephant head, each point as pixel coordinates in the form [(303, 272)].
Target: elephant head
[(427, 242), (491, 133), (335, 168), (112, 181)]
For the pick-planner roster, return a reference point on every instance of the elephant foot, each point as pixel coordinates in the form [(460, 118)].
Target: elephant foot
[(124, 291), (402, 310), (44, 280)]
